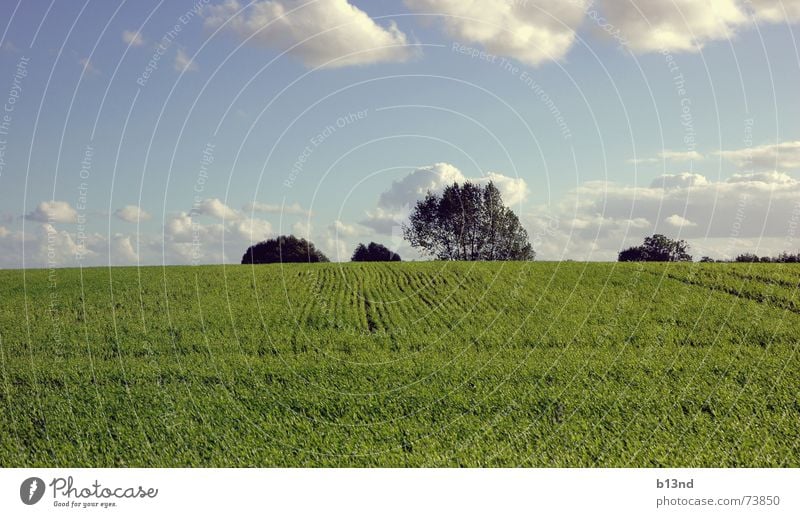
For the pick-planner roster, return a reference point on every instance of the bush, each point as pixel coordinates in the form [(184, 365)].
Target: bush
[(657, 248), (286, 248), (374, 252)]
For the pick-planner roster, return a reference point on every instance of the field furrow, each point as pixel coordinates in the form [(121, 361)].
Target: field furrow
[(402, 364)]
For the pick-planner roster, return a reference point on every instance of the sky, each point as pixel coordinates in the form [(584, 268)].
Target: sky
[(180, 132)]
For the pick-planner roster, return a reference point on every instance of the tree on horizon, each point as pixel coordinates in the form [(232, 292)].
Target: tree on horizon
[(374, 252), (283, 249), (657, 248), (467, 222)]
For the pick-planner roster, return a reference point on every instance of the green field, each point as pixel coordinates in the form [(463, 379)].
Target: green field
[(405, 364)]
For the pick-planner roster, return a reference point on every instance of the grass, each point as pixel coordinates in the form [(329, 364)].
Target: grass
[(411, 364)]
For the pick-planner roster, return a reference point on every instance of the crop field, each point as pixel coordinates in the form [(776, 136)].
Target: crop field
[(405, 364)]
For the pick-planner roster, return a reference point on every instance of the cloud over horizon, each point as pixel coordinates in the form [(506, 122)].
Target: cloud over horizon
[(599, 218), (53, 212), (395, 203), (132, 214)]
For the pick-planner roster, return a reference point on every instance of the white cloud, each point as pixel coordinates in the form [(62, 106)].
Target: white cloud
[(678, 221), (765, 178), (782, 156), (395, 203), (671, 156), (216, 208), (183, 63), (336, 248), (674, 25), (178, 225), (131, 214), (775, 11), (243, 228), (687, 25), (53, 212), (132, 38), (265, 208), (302, 229), (251, 230), (188, 240), (185, 240), (513, 190), (346, 230), (338, 240), (405, 192), (682, 180), (599, 218), (414, 186), (531, 31), (123, 251), (385, 222), (330, 33), (46, 246)]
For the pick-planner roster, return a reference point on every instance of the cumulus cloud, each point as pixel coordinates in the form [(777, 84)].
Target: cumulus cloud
[(336, 248), (775, 11), (599, 218), (47, 246), (330, 33), (682, 180), (250, 230), (339, 239), (123, 251), (766, 178), (688, 25), (53, 212), (533, 31), (678, 221), (781, 156), (302, 229), (216, 208), (266, 208), (395, 203), (670, 156), (131, 214), (185, 239), (414, 186), (132, 38), (513, 190), (347, 230), (183, 63), (385, 222), (182, 226), (179, 225), (676, 25)]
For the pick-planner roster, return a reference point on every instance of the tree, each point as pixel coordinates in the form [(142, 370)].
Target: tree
[(286, 248), (747, 257), (374, 252), (467, 222), (785, 257), (657, 248), (633, 254)]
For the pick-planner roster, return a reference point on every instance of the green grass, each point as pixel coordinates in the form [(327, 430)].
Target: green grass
[(426, 364)]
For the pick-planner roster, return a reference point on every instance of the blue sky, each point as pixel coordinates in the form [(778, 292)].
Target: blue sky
[(602, 122)]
